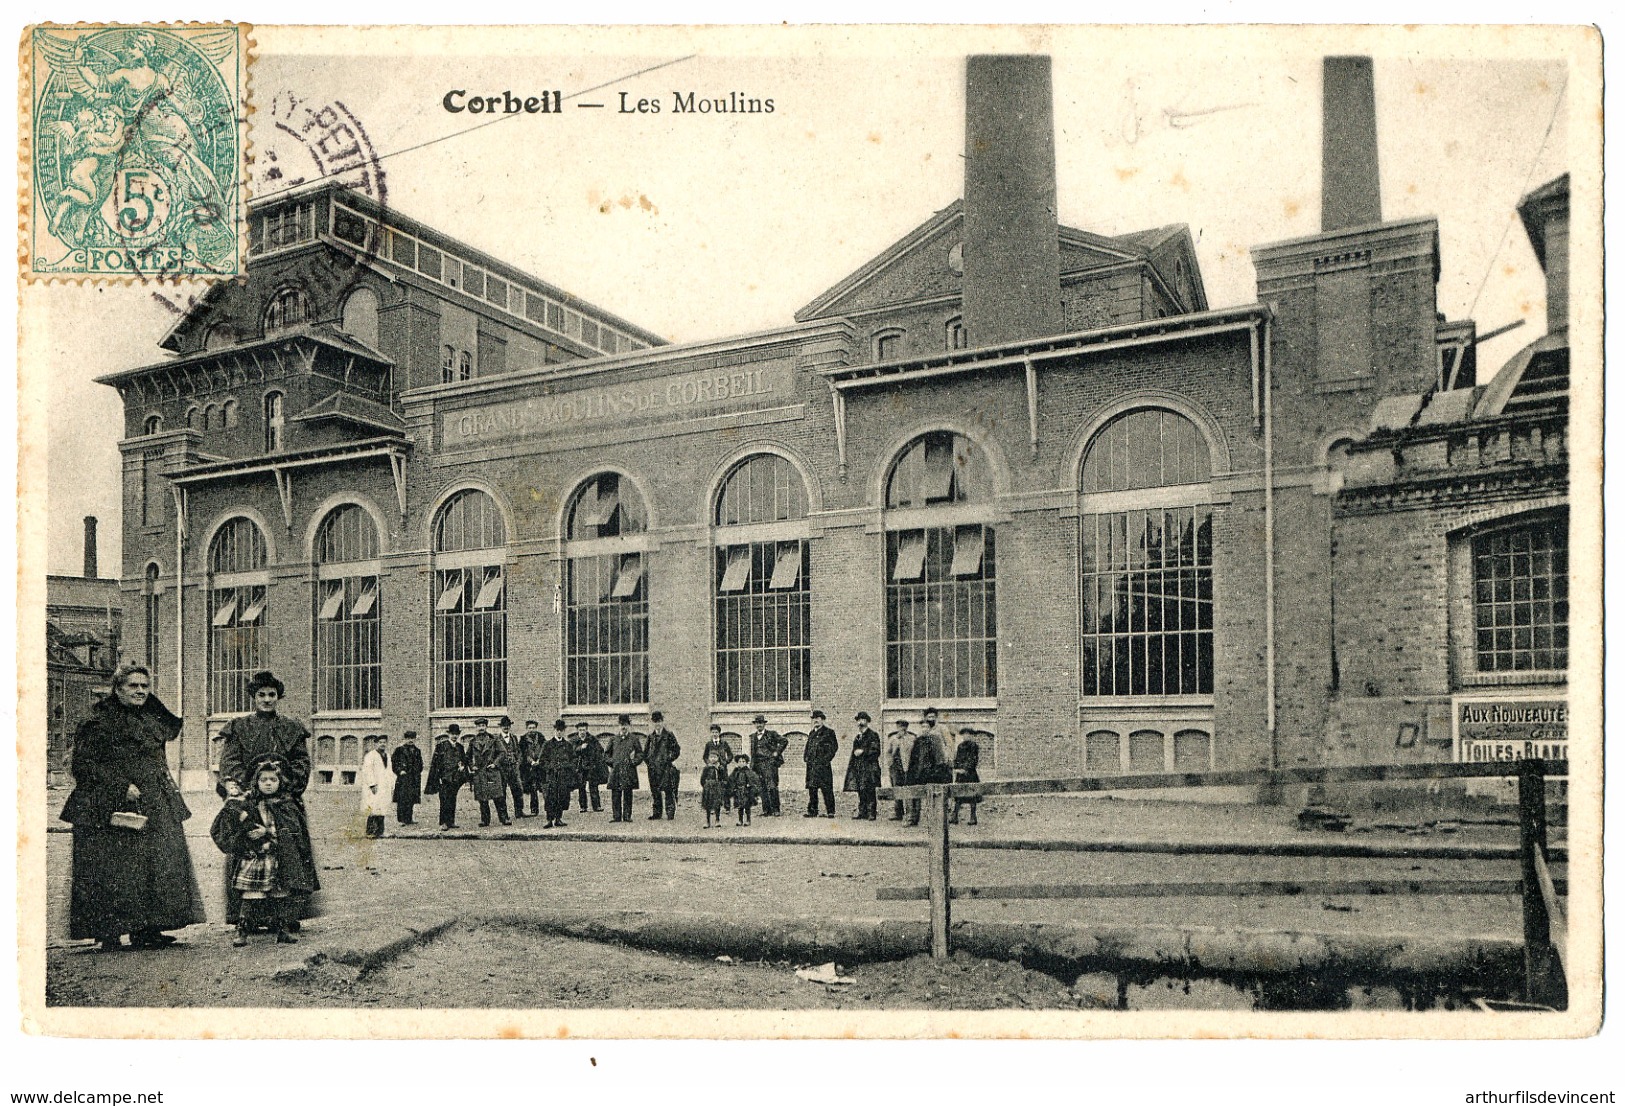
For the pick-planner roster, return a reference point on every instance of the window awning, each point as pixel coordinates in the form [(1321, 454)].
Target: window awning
[(332, 604), (365, 601), (968, 546), (252, 612), (786, 565), (225, 612), (737, 574), (490, 592), (626, 583), (452, 597), (910, 563), (937, 479)]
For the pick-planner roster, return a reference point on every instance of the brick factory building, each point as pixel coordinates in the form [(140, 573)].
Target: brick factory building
[(1020, 472)]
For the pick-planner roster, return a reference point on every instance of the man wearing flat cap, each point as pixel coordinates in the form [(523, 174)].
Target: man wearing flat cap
[(819, 753), (863, 770), (485, 765), (766, 758), (266, 736)]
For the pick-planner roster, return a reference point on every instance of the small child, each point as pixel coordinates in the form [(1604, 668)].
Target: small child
[(713, 787), (250, 829), (745, 786)]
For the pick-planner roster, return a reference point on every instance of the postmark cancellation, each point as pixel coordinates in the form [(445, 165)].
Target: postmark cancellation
[(134, 167)]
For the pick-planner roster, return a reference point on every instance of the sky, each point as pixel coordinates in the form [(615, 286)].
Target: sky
[(699, 227)]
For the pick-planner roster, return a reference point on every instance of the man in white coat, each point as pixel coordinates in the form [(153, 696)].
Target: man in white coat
[(377, 787)]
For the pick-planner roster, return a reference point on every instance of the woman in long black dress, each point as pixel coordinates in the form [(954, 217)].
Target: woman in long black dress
[(246, 742), (129, 880)]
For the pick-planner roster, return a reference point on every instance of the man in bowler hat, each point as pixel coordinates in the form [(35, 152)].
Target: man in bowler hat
[(766, 758)]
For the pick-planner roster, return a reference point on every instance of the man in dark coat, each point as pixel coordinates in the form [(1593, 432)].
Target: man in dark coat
[(245, 742), (625, 754), (447, 774), (927, 761), (661, 753), (819, 753), (967, 758), (863, 770), (898, 745), (139, 882), (718, 744), (408, 766), (591, 767), (766, 758), (513, 759), (556, 767), (486, 766), (530, 762)]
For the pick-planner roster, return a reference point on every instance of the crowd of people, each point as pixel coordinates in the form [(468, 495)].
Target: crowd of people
[(546, 770), (133, 877)]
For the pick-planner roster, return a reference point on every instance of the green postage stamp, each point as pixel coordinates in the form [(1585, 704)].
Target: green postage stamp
[(137, 150)]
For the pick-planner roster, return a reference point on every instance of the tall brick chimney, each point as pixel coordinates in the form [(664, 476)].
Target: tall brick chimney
[(90, 547), (1350, 192), (1012, 285)]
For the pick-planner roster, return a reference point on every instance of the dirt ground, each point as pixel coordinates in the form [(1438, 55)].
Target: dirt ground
[(368, 884), (505, 967)]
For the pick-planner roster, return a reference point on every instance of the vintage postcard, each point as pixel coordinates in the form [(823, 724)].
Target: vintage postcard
[(881, 532)]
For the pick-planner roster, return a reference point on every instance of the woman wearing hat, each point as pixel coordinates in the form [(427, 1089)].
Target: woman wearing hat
[(250, 740), (132, 872)]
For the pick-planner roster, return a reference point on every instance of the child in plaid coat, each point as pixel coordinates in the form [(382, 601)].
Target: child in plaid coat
[(252, 830)]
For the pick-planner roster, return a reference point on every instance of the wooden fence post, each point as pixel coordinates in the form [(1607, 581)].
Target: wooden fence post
[(1538, 954), (937, 853)]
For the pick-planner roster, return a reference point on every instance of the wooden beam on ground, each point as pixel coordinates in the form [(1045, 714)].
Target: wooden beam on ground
[(1352, 773), (1550, 891), (940, 892), (1312, 887), (1319, 846)]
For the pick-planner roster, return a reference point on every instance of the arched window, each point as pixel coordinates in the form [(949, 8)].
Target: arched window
[(275, 422), (154, 424), (348, 660), (361, 316), (1146, 559), (465, 365), (761, 589), (219, 336), (238, 582), (941, 609), (228, 413), (606, 643), (953, 334), (1520, 575), (290, 307), (888, 344), (210, 417), (192, 417), (150, 593), (470, 619)]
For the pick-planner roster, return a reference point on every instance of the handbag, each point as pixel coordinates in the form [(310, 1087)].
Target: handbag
[(127, 819)]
